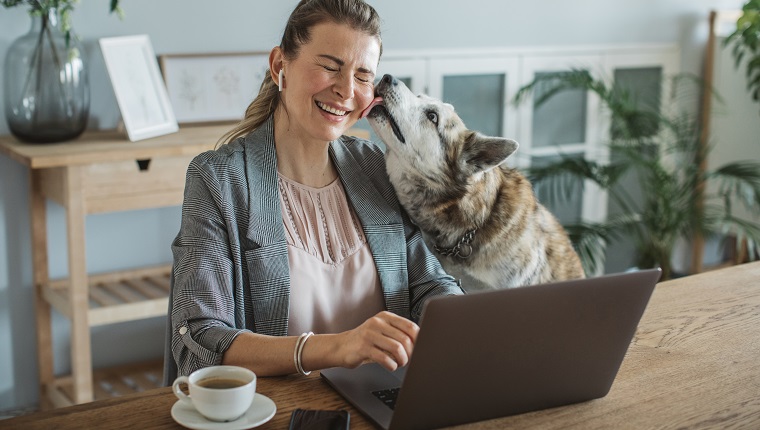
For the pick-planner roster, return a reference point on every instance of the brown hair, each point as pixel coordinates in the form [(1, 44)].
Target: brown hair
[(355, 13)]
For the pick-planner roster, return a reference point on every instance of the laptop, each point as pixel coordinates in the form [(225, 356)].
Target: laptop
[(496, 353)]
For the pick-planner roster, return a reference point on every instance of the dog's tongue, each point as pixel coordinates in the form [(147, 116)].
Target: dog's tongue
[(375, 102)]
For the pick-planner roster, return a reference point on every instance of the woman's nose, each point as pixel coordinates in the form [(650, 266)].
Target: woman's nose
[(344, 87)]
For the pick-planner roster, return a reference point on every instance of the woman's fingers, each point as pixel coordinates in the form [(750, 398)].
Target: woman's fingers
[(404, 325), (392, 339)]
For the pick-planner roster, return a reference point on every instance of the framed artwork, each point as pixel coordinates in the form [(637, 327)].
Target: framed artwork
[(213, 87), (137, 84)]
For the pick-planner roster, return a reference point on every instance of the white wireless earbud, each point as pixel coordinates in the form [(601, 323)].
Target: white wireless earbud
[(279, 80)]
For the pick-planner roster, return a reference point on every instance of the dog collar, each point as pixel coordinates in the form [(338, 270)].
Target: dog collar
[(462, 249)]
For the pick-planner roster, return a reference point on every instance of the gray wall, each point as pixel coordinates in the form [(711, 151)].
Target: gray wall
[(193, 26)]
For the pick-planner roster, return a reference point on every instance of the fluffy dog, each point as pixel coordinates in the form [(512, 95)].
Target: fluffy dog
[(480, 217)]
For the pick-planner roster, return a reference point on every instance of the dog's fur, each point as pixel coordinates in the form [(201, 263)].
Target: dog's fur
[(451, 180)]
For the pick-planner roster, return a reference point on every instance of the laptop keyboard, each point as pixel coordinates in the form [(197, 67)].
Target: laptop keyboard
[(387, 396)]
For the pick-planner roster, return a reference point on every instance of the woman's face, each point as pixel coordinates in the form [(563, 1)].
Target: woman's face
[(330, 82)]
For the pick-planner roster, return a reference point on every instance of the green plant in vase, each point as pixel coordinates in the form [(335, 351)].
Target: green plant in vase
[(660, 151), (45, 78), (746, 45)]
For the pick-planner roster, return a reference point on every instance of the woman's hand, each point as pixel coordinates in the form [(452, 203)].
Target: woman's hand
[(386, 339)]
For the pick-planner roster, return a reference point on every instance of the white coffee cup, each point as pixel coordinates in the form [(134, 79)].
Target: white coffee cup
[(219, 393)]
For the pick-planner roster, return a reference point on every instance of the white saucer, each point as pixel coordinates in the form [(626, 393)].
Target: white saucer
[(262, 410)]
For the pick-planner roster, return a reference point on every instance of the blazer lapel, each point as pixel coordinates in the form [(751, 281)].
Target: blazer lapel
[(267, 262), (383, 228), (265, 216), (367, 200)]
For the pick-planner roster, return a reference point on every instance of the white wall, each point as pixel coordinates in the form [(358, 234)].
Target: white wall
[(194, 26)]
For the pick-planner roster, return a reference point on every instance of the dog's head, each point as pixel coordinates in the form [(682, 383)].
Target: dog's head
[(426, 136)]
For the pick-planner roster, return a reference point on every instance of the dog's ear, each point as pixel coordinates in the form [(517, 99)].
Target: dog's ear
[(483, 153)]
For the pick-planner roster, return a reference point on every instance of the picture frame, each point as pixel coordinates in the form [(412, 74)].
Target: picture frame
[(140, 92), (208, 88)]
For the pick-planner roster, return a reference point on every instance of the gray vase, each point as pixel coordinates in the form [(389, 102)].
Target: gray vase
[(47, 94)]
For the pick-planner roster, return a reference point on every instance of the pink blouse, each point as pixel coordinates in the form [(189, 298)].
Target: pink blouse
[(334, 284)]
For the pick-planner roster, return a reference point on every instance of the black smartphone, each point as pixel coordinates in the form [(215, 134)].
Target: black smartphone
[(312, 419)]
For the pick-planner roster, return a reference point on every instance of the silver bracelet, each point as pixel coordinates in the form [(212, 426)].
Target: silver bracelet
[(298, 352)]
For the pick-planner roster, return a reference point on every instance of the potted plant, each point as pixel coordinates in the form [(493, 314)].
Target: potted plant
[(663, 152), (46, 88), (746, 43)]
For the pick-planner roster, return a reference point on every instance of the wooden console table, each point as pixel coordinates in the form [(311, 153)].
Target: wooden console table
[(100, 172)]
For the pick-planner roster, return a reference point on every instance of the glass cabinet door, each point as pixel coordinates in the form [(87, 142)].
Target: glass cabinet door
[(568, 124), (646, 77), (480, 91), (574, 124)]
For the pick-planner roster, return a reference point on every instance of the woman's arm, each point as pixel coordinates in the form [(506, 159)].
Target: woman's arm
[(203, 310), (386, 339)]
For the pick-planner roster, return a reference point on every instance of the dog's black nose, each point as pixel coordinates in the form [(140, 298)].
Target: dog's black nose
[(389, 80)]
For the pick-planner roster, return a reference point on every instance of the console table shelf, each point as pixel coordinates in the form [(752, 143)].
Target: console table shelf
[(113, 381), (117, 297)]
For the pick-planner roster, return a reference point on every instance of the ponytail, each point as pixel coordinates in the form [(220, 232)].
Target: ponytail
[(261, 108)]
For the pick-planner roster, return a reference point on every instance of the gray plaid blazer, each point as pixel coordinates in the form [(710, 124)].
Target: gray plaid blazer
[(230, 270)]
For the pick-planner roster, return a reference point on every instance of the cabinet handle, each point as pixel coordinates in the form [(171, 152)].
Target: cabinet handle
[(143, 165)]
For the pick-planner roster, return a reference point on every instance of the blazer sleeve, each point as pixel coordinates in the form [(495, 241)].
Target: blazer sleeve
[(426, 276), (203, 308)]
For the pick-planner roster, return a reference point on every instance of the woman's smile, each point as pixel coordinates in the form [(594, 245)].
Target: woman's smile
[(333, 110)]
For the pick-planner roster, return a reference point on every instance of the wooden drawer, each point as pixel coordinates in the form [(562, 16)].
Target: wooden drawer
[(118, 185), (134, 184)]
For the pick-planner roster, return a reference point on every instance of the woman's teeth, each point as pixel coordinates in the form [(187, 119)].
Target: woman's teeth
[(333, 111)]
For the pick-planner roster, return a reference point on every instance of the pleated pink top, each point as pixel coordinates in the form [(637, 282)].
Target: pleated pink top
[(333, 280)]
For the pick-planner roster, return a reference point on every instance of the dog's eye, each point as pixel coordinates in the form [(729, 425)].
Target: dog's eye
[(433, 117)]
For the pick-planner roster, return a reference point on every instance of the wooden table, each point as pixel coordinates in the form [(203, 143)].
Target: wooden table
[(694, 363)]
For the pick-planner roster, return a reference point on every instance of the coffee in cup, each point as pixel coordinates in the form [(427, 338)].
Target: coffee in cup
[(219, 393)]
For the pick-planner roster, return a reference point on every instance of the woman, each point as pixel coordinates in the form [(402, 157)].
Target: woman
[(292, 228)]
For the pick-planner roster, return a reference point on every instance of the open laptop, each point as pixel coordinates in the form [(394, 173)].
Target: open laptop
[(491, 354)]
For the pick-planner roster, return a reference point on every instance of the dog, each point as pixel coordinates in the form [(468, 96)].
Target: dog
[(479, 216)]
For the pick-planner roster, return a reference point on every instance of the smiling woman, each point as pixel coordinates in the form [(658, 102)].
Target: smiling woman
[(294, 253)]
